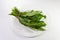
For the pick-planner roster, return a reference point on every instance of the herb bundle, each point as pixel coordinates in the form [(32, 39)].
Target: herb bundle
[(31, 19)]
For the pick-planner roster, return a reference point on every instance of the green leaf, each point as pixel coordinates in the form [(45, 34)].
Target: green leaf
[(31, 13), (15, 12)]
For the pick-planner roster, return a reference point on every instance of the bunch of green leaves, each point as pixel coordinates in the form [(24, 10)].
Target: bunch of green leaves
[(31, 19)]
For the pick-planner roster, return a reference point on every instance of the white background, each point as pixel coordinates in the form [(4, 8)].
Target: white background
[(50, 7)]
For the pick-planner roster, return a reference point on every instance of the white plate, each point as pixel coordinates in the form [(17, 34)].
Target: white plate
[(28, 5)]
